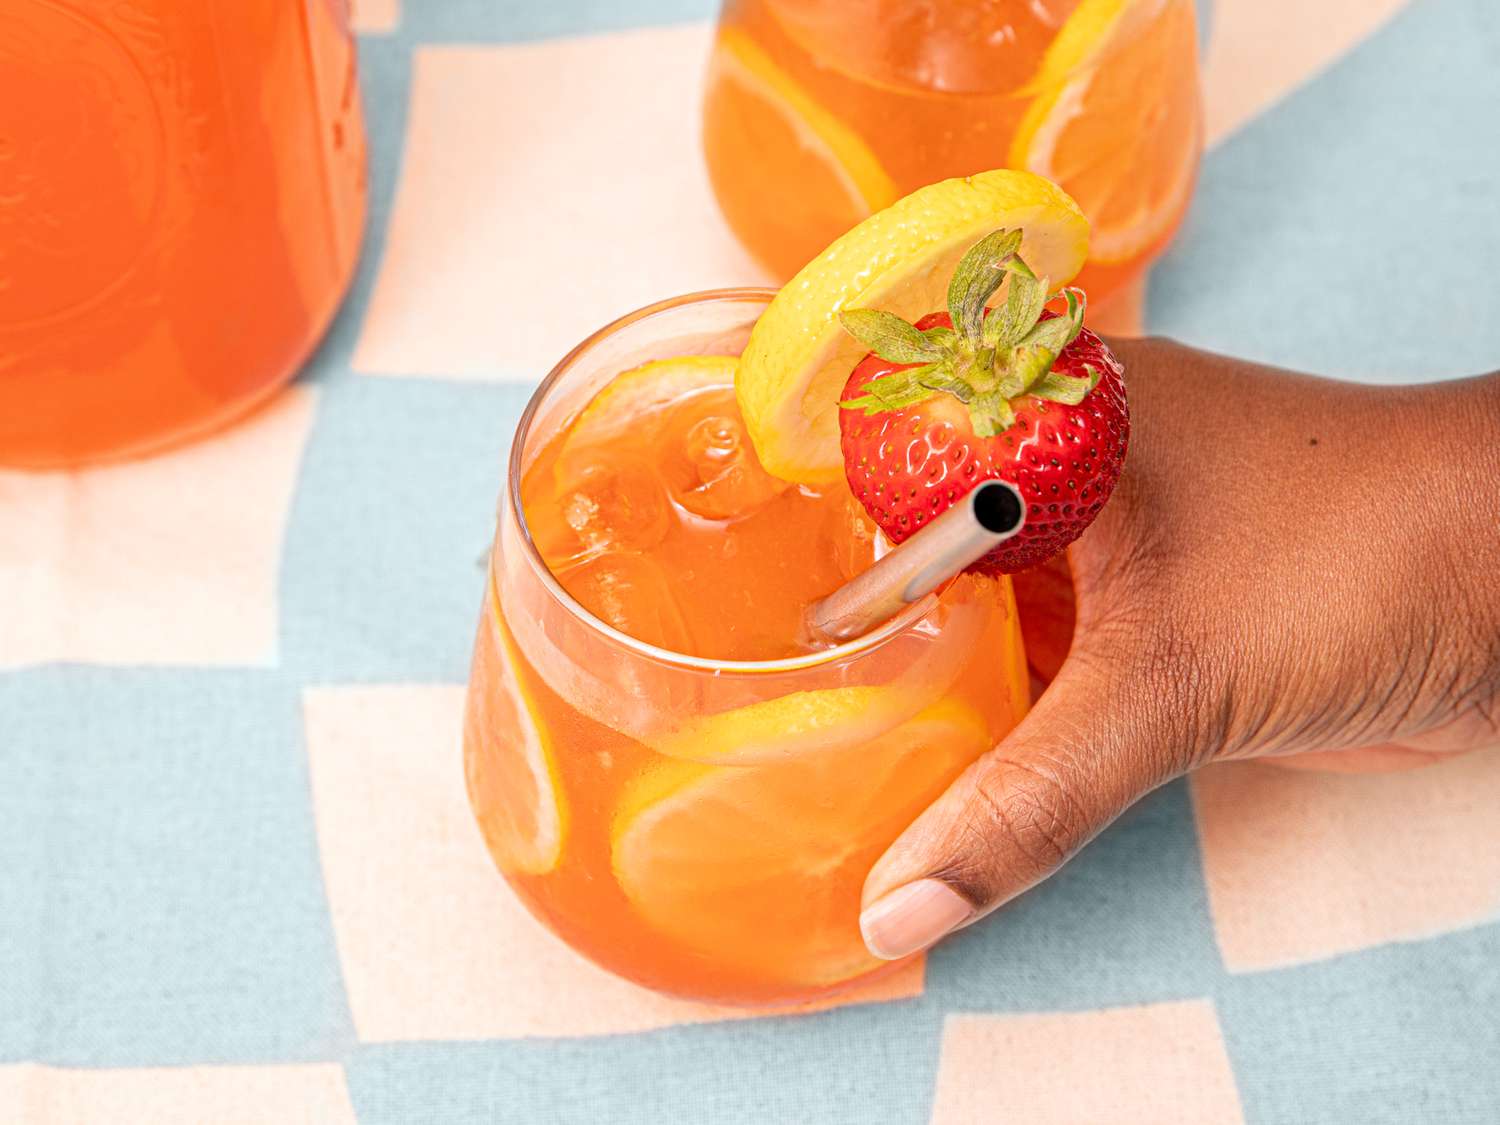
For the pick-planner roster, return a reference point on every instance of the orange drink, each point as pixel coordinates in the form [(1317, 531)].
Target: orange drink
[(182, 189), (820, 112), (672, 774)]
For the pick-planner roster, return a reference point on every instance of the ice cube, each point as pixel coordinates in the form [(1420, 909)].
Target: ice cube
[(630, 592), (613, 506), (852, 536), (716, 474)]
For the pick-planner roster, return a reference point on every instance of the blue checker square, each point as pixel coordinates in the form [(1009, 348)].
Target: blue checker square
[(848, 1067), (1402, 1033), (163, 903), (388, 539), (1126, 922), (1290, 252), (498, 21)]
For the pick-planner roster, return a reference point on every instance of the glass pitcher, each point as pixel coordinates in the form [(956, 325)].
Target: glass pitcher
[(182, 191)]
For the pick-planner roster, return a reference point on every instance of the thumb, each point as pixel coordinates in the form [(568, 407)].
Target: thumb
[(1090, 748)]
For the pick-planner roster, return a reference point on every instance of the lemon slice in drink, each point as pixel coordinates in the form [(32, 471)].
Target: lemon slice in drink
[(677, 421), (899, 260), (791, 726), (762, 866), (510, 766), (1116, 120), (640, 394)]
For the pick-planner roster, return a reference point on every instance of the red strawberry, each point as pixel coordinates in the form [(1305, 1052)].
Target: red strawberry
[(1021, 395)]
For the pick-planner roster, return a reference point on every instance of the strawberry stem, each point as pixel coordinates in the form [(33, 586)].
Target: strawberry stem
[(989, 357)]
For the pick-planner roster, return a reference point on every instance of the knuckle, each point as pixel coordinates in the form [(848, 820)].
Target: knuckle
[(1167, 692), (1024, 824), (1187, 698)]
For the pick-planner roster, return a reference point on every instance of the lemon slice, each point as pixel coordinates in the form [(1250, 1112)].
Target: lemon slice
[(762, 866), (635, 396), (838, 150), (899, 260), (510, 767), (609, 455), (1116, 120), (791, 726)]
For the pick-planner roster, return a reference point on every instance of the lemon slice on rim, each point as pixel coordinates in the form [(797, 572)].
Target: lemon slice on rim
[(1117, 121), (510, 767), (899, 260), (762, 866)]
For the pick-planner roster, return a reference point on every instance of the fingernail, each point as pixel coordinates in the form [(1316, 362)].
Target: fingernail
[(912, 918)]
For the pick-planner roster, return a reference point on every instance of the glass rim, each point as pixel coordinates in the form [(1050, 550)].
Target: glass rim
[(1029, 87), (874, 639)]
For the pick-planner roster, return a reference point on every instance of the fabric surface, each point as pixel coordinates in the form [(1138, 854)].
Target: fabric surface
[(238, 878)]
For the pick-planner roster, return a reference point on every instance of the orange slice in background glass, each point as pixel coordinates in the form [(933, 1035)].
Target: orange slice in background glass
[(755, 106), (1117, 121)]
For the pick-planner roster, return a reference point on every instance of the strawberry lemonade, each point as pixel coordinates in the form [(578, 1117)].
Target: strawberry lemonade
[(673, 773)]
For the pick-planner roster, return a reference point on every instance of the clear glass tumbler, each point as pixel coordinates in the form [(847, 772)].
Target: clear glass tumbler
[(819, 112), (700, 826)]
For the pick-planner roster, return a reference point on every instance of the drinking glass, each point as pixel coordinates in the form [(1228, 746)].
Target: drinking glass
[(701, 826), (819, 112)]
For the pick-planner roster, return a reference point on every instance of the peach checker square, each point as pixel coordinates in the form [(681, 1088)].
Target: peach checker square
[(169, 560), (1303, 865), (375, 17), (432, 943), (502, 225), (1156, 1064), (311, 1094), (525, 218)]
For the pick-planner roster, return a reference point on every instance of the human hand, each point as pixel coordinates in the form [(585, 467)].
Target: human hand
[(1288, 566)]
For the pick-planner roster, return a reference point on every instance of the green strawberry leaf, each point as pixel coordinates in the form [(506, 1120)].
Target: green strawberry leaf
[(991, 414), (1078, 303), (1054, 335), (1031, 363), (1023, 304), (1067, 389), (944, 338), (1010, 380), (947, 383), (979, 273), (892, 392), (889, 337)]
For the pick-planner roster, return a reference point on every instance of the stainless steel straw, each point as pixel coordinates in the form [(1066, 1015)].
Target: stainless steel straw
[(988, 515)]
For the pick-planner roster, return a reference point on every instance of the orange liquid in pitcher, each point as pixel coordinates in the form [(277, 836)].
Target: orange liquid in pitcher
[(695, 846), (182, 190), (819, 112)]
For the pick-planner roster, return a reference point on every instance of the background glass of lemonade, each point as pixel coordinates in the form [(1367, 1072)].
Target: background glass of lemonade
[(820, 112), (699, 824)]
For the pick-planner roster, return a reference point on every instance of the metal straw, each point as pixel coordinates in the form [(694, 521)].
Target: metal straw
[(988, 515)]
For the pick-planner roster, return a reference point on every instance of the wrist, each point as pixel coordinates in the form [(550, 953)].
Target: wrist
[(1485, 577), (1462, 429)]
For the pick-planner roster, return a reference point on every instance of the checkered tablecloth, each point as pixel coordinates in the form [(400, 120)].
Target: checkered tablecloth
[(238, 879)]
